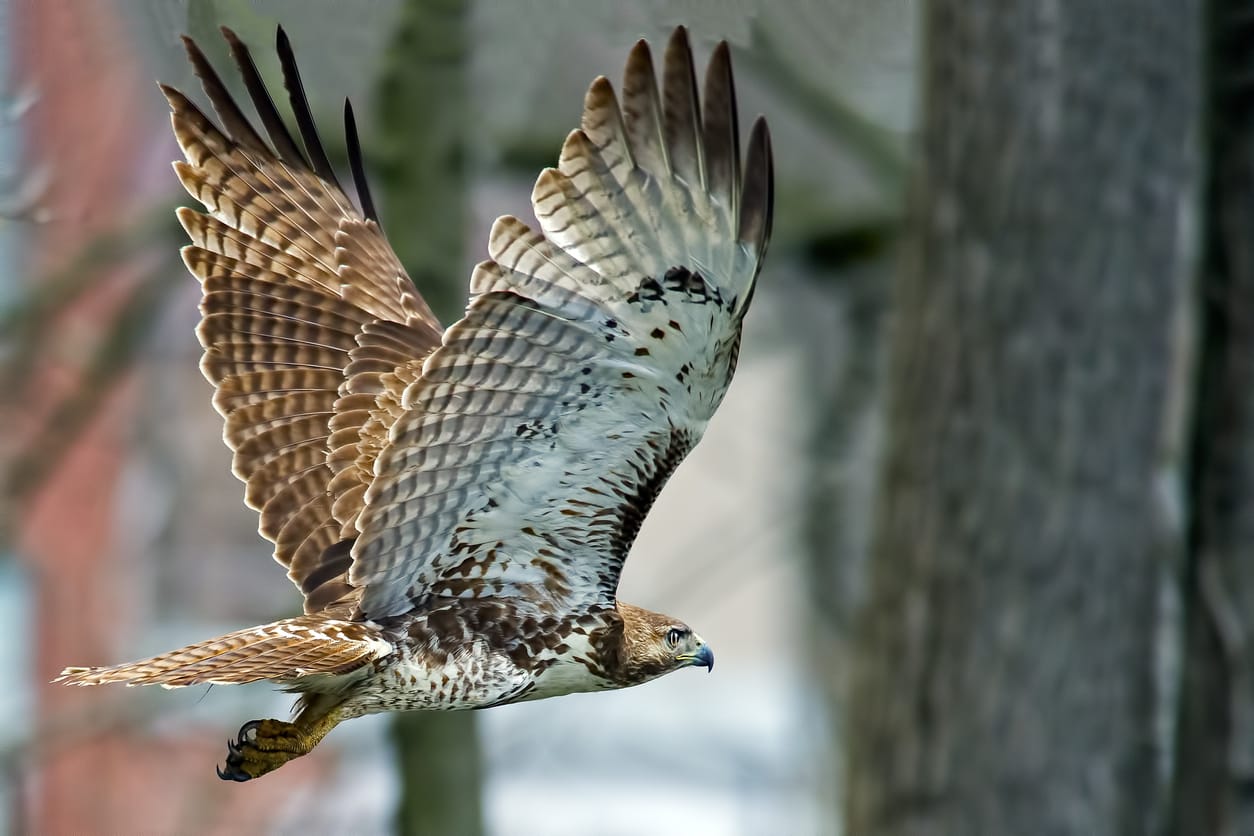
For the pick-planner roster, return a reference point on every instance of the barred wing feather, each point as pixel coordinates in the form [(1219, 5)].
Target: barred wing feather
[(591, 355), (305, 311)]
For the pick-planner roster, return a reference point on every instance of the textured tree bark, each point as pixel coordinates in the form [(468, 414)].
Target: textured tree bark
[(1215, 771), (422, 122), (1004, 675), (840, 474)]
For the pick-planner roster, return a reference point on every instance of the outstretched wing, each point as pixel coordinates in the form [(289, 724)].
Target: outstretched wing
[(588, 362), (311, 328)]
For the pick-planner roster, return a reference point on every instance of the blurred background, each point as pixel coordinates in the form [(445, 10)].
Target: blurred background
[(967, 535), (129, 534)]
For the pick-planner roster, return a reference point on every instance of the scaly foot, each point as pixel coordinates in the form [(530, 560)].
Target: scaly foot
[(263, 746)]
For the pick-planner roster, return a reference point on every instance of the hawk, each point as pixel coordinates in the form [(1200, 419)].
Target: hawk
[(455, 505)]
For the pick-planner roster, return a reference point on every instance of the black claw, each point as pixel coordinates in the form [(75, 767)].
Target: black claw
[(251, 725), (231, 773), (235, 754)]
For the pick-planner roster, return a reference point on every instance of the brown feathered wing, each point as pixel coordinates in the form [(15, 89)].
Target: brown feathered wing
[(311, 327)]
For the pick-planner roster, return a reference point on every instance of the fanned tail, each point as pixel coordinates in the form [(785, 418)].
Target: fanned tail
[(282, 651)]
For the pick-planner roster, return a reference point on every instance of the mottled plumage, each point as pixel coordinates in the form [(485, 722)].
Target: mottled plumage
[(456, 505)]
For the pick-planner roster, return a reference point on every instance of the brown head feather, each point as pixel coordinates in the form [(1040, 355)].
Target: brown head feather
[(646, 650)]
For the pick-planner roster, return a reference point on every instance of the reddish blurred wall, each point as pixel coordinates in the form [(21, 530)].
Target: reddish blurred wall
[(94, 767)]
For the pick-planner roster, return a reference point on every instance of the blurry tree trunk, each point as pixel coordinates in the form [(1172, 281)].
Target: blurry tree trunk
[(420, 174), (421, 154), (1004, 672), (840, 474), (1215, 770)]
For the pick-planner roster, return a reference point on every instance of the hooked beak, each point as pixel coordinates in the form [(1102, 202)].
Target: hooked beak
[(702, 657)]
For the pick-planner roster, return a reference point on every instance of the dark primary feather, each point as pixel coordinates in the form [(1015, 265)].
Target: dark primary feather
[(722, 127), (234, 121), (681, 116), (357, 164), (642, 111), (758, 201), (282, 139), (300, 108)]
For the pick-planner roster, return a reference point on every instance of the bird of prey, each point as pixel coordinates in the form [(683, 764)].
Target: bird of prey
[(456, 504)]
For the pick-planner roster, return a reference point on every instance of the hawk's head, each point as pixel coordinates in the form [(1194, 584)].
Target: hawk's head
[(655, 644)]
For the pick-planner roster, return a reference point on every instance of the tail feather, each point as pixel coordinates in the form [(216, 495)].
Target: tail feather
[(282, 651)]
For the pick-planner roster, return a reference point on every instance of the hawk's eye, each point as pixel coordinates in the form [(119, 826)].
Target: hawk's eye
[(673, 636)]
